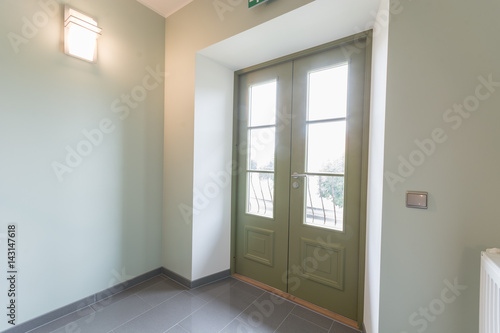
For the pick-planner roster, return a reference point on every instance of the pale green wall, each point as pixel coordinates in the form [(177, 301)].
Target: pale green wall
[(102, 223), (105, 216), (437, 51), (193, 28)]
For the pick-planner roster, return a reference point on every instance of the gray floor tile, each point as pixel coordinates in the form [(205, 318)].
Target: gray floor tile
[(160, 292), (294, 324), (241, 325), (263, 315), (161, 305), (177, 329), (341, 328), (63, 321), (164, 316), (313, 317), (211, 291), (257, 292), (219, 312), (109, 317)]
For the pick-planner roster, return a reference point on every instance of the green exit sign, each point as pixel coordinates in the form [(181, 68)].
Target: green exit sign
[(253, 3)]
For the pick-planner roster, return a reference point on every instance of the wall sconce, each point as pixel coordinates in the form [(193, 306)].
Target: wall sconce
[(80, 35)]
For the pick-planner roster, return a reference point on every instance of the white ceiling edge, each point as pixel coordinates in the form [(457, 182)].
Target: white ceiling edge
[(316, 23), (165, 7)]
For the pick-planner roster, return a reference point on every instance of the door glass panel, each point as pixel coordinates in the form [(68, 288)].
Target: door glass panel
[(260, 194), (325, 202), (328, 93), (261, 148), (326, 147), (263, 104)]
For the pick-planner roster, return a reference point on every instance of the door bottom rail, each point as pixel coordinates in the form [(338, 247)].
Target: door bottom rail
[(299, 301)]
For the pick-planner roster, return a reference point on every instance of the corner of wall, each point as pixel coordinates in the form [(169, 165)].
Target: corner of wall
[(376, 169)]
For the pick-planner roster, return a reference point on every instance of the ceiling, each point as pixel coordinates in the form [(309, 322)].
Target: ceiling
[(165, 7)]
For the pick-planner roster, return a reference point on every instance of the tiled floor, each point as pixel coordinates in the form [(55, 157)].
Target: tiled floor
[(161, 305)]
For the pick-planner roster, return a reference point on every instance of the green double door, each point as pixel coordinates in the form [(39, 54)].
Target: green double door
[(299, 199)]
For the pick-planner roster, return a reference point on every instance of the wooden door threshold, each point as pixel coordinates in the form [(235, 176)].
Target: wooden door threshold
[(299, 301)]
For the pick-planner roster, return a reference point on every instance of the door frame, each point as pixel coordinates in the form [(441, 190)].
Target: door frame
[(368, 35)]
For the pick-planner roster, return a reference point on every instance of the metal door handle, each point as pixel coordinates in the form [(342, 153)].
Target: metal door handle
[(297, 175)]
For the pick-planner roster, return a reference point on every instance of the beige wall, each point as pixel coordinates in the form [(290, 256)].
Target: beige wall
[(196, 26)]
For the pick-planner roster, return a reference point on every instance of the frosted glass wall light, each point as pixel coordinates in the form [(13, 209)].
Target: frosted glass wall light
[(80, 35)]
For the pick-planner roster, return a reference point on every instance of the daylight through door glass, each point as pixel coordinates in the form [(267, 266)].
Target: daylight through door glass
[(326, 146), (261, 149)]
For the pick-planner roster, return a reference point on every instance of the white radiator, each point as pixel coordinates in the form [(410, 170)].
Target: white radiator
[(489, 307)]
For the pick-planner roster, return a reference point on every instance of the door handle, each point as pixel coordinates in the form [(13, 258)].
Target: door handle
[(297, 175)]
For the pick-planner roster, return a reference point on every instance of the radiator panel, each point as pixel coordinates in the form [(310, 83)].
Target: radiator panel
[(489, 307)]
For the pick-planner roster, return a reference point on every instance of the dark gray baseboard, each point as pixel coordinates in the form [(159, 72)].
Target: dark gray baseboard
[(176, 277), (53, 315), (211, 278), (196, 283), (81, 304)]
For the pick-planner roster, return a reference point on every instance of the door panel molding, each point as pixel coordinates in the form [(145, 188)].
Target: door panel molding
[(259, 245), (323, 262)]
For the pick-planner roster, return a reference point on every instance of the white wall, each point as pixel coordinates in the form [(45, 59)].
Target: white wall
[(193, 28), (437, 51), (101, 224), (376, 169), (213, 124)]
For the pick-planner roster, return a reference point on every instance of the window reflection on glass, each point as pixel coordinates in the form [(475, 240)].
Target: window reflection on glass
[(260, 194), (261, 149), (263, 104), (325, 201), (326, 147), (328, 93)]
